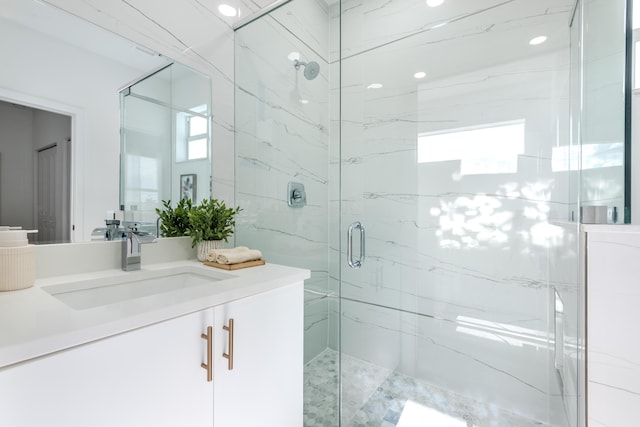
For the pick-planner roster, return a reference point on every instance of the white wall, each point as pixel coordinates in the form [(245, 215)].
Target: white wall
[(201, 38), (68, 85)]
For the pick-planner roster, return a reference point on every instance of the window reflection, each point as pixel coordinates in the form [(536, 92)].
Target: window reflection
[(142, 179), (594, 156)]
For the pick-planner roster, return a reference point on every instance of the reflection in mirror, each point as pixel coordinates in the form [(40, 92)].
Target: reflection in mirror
[(35, 146), (165, 146), (61, 64)]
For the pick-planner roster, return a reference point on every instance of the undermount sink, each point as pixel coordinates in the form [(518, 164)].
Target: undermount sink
[(97, 292)]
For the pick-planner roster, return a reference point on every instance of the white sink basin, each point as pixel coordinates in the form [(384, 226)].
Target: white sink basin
[(97, 292)]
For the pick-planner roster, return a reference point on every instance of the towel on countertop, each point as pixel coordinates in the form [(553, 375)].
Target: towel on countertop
[(213, 253), (234, 255)]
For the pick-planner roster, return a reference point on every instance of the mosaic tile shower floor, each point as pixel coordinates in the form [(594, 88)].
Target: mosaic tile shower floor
[(378, 397)]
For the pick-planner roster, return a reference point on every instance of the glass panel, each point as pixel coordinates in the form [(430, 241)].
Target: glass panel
[(449, 121), (283, 68), (146, 157), (603, 132), (160, 114)]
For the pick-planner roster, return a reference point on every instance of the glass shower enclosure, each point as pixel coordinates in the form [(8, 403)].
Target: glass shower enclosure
[(165, 142), (433, 144)]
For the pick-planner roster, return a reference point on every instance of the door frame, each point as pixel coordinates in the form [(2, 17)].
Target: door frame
[(78, 135)]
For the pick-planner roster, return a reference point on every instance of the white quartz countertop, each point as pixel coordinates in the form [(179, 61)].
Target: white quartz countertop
[(35, 323)]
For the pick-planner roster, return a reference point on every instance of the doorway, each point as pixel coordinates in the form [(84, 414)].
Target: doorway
[(35, 178)]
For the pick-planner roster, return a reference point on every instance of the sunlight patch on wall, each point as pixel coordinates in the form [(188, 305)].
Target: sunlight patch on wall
[(488, 149)]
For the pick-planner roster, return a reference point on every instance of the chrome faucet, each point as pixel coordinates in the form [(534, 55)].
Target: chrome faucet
[(132, 242)]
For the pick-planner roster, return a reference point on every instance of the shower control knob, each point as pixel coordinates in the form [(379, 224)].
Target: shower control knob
[(296, 195)]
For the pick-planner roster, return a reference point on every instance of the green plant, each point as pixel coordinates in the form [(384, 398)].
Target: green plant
[(174, 222), (211, 220)]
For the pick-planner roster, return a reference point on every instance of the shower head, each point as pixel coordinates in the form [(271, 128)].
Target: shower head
[(311, 69)]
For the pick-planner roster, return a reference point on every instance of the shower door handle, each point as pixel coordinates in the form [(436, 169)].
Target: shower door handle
[(355, 263)]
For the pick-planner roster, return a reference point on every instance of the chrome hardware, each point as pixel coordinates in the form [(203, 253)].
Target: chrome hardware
[(132, 242), (355, 263), (209, 365), (297, 197), (229, 355), (559, 334)]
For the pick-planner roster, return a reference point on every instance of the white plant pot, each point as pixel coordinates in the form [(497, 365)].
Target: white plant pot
[(203, 248)]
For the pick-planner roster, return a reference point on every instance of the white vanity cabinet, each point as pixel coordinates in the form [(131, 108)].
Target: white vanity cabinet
[(264, 388), (153, 376), (146, 377)]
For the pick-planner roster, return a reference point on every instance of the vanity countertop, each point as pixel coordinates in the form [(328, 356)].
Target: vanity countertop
[(35, 323)]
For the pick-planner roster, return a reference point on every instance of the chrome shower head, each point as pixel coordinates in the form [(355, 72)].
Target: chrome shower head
[(311, 69)]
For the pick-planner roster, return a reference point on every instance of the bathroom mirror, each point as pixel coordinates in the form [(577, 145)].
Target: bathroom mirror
[(165, 143), (58, 63)]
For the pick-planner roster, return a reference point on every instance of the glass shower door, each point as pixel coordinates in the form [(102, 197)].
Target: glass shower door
[(454, 124)]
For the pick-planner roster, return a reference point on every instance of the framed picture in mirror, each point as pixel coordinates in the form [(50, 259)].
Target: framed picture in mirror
[(188, 187)]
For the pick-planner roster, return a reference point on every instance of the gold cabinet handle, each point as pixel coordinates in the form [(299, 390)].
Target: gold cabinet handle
[(229, 355), (209, 365)]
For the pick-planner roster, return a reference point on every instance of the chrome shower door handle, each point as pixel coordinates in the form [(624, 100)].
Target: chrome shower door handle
[(355, 263)]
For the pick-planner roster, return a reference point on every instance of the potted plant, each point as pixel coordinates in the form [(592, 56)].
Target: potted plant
[(210, 223), (174, 222)]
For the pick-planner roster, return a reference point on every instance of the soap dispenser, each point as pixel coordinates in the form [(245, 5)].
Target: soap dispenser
[(17, 259)]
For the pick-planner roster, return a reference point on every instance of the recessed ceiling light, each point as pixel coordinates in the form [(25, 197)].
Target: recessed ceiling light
[(420, 75), (434, 3), (304, 101), (538, 40), (294, 56), (374, 86), (227, 10)]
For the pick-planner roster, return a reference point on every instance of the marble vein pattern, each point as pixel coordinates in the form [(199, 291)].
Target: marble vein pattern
[(612, 300), (456, 279), (282, 122)]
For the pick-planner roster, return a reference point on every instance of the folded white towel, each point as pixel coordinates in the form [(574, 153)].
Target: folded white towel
[(236, 257), (213, 253)]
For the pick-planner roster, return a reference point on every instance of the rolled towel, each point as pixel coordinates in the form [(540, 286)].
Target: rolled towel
[(213, 253), (236, 257)]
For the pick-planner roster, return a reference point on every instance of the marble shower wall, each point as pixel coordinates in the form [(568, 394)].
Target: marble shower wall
[(455, 287), (282, 122)]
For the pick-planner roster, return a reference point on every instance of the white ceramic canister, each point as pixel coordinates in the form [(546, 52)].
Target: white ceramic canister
[(17, 259)]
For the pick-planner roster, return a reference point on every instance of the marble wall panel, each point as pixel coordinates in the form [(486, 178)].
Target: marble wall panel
[(282, 122), (613, 356), (470, 250)]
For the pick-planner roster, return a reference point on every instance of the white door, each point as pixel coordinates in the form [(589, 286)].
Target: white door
[(46, 194), (264, 386), (148, 377)]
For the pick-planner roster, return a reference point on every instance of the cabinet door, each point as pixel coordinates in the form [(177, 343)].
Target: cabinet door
[(265, 385), (147, 377)]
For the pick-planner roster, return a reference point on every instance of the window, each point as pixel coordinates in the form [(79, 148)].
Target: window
[(142, 179), (487, 149), (197, 137)]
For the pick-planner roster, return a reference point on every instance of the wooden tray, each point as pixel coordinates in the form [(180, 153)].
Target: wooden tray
[(235, 266)]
